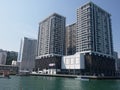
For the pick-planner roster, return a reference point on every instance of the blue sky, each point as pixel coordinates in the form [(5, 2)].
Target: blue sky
[(19, 18)]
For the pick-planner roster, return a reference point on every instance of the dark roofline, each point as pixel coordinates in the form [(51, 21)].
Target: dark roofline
[(90, 2), (51, 16)]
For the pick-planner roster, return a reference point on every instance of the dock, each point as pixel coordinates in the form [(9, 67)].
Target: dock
[(55, 75), (75, 76)]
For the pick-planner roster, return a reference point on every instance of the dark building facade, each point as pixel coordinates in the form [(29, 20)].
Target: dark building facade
[(98, 64), (73, 71), (47, 61), (70, 39), (91, 63)]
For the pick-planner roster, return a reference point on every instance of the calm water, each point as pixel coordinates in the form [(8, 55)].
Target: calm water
[(55, 83)]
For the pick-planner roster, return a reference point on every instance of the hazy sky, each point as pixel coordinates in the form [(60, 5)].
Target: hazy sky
[(19, 18)]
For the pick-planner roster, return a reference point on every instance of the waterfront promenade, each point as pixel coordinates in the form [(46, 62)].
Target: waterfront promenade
[(75, 76)]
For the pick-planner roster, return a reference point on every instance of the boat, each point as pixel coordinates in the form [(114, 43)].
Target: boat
[(82, 78)]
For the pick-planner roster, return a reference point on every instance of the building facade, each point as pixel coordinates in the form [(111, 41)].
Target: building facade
[(70, 38), (51, 35), (89, 44), (94, 42), (51, 43), (73, 64), (94, 32), (88, 63), (27, 54), (48, 64), (11, 55), (3, 56)]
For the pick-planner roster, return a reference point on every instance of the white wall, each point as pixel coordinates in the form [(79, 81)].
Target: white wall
[(75, 61)]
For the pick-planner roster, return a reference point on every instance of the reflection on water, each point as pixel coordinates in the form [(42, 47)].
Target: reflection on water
[(55, 83)]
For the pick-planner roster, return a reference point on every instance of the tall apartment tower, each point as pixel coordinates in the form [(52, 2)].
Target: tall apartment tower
[(27, 54), (51, 44), (94, 32), (51, 35), (94, 45), (70, 38)]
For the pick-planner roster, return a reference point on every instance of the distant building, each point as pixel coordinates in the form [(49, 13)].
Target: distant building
[(117, 61), (27, 54), (3, 56), (70, 38), (11, 55), (19, 58), (118, 64)]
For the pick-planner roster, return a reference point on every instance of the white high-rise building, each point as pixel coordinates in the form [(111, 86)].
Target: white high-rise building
[(94, 45), (51, 35), (27, 54), (94, 32)]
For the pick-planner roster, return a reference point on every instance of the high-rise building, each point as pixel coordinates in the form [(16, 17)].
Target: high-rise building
[(51, 44), (70, 38), (94, 45), (27, 54), (51, 35), (94, 32)]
